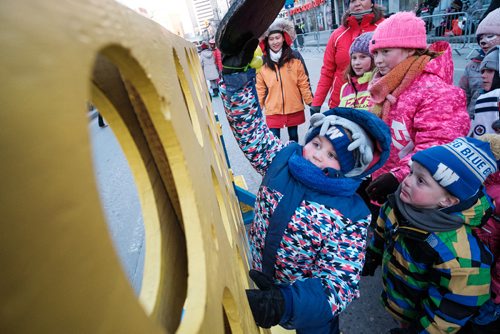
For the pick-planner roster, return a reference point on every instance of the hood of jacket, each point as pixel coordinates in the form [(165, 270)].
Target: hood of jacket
[(442, 66), (207, 54), (375, 127)]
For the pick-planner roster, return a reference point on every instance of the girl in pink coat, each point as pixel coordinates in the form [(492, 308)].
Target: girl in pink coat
[(412, 91)]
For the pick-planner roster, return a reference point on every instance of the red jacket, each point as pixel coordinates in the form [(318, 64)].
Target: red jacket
[(336, 59), (218, 59)]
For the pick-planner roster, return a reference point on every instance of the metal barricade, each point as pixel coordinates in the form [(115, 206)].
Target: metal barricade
[(455, 28)]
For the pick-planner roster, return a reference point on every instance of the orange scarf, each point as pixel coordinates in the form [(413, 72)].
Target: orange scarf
[(385, 91)]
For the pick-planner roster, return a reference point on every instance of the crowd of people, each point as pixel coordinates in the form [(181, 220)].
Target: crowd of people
[(401, 171)]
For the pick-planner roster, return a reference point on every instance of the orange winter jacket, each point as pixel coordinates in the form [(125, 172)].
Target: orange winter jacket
[(285, 90)]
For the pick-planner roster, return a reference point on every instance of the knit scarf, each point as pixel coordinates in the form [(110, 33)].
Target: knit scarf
[(359, 15), (386, 89), (314, 178), (275, 56)]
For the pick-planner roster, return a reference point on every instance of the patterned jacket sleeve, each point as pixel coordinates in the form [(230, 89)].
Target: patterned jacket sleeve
[(461, 286), (245, 119), (439, 119), (377, 241), (336, 274)]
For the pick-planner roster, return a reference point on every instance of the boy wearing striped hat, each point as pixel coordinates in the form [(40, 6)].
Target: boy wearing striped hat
[(436, 273)]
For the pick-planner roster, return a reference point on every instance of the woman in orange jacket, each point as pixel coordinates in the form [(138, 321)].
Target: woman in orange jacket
[(283, 82)]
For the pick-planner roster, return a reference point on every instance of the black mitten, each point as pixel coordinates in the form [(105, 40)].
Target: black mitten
[(372, 261), (239, 62), (382, 186), (267, 304), (314, 109)]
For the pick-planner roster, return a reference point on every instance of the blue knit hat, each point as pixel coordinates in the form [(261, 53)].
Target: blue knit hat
[(460, 166), (340, 141)]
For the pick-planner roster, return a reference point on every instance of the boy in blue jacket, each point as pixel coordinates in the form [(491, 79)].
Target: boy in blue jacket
[(308, 236)]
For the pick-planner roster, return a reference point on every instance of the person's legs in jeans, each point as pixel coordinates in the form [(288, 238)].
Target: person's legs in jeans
[(275, 131), (293, 133)]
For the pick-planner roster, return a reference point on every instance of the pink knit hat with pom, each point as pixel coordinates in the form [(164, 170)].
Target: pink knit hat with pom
[(401, 30)]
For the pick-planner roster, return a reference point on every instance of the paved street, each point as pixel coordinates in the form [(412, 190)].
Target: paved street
[(122, 208)]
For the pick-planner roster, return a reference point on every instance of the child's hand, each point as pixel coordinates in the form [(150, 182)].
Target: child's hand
[(382, 186), (268, 303), (373, 260)]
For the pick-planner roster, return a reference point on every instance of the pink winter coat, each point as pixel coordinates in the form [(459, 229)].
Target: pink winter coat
[(431, 111)]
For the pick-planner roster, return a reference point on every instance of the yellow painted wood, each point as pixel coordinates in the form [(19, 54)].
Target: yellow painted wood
[(60, 273)]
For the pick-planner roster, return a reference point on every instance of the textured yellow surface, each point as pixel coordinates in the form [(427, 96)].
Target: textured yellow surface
[(60, 273)]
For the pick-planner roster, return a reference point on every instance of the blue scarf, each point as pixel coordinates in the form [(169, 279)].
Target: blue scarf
[(333, 183)]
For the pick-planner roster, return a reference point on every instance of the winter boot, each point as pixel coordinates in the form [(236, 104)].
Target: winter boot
[(243, 24)]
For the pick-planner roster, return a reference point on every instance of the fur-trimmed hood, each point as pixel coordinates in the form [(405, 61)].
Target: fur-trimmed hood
[(283, 25)]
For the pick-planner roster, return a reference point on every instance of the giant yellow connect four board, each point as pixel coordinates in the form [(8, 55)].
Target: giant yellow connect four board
[(59, 271)]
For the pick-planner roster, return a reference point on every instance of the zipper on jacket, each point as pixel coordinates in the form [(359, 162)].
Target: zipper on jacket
[(282, 93)]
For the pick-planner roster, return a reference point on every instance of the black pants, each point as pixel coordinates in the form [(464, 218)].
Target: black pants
[(293, 133)]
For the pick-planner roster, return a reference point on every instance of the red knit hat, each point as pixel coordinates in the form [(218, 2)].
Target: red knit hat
[(401, 30)]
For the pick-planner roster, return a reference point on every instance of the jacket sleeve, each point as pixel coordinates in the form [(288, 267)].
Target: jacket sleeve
[(377, 241), (327, 72), (336, 275), (261, 88), (218, 59), (460, 287), (245, 119), (464, 84), (304, 85), (440, 117)]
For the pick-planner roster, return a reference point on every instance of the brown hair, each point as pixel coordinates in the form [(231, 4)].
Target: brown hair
[(377, 12), (427, 52), (349, 72)]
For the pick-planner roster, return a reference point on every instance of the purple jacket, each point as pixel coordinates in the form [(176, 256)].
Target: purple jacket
[(431, 111)]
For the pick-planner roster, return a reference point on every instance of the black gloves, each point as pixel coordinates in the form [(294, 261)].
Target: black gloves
[(314, 110), (239, 62), (382, 186), (268, 303), (372, 261)]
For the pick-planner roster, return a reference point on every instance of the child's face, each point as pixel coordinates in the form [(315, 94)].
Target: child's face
[(488, 41), (487, 76), (420, 190), (275, 41), (387, 59), (361, 63), (321, 153)]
